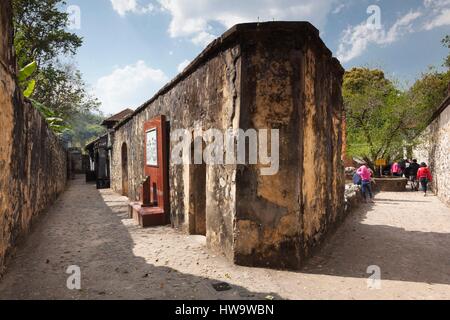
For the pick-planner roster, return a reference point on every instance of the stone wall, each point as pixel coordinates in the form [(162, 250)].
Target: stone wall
[(289, 82), (32, 159), (276, 75), (205, 98), (434, 149)]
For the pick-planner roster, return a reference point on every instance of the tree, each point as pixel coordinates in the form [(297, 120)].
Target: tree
[(39, 32), (377, 115), (446, 43), (56, 89), (62, 89), (85, 126), (427, 93)]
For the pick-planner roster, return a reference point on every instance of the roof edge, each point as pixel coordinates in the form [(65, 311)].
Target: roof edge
[(222, 43), (439, 110)]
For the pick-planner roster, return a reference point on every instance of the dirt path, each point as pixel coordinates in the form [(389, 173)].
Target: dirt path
[(406, 235)]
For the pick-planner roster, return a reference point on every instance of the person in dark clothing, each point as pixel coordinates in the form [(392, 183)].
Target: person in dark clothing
[(406, 171), (402, 165), (413, 168)]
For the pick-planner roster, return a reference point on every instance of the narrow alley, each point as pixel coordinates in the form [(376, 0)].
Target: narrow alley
[(404, 234)]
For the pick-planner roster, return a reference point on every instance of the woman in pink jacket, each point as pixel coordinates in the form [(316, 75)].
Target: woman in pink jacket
[(366, 178), (396, 169)]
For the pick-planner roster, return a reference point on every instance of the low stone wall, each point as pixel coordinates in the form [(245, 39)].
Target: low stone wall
[(352, 198), (435, 151), (32, 159), (390, 184)]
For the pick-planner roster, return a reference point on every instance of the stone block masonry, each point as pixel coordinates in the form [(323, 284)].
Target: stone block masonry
[(274, 75), (434, 149), (32, 159)]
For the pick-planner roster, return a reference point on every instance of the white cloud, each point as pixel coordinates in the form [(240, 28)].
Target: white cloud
[(129, 86), (401, 27), (124, 6), (356, 39), (442, 19), (183, 65), (339, 8), (436, 3), (203, 38), (194, 18), (440, 13)]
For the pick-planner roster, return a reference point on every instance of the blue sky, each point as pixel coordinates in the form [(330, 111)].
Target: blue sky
[(132, 48)]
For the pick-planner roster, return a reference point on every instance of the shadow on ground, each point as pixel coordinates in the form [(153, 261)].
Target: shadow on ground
[(88, 232), (402, 255)]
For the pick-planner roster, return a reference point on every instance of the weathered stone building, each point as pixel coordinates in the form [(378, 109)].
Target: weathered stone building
[(99, 152), (33, 161), (435, 150), (275, 75)]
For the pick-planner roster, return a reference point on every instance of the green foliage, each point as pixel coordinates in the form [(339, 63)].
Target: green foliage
[(27, 84), (58, 90), (30, 88), (40, 31), (27, 71), (61, 88), (428, 92), (446, 43), (383, 120), (378, 115), (55, 121), (85, 127)]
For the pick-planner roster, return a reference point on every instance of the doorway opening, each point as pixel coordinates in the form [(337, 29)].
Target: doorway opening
[(197, 192), (124, 170)]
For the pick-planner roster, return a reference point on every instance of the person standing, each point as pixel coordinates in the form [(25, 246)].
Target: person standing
[(366, 180), (413, 168), (396, 170), (403, 164), (424, 176)]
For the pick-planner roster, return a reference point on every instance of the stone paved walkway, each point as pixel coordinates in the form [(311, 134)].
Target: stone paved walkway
[(405, 234)]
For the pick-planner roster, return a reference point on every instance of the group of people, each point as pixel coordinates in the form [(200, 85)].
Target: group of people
[(414, 172)]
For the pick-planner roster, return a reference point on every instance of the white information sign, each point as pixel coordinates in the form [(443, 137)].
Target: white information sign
[(152, 147)]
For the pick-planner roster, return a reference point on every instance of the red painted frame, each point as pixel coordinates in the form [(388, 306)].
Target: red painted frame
[(157, 173)]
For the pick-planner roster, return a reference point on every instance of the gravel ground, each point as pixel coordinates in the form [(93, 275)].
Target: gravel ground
[(406, 235)]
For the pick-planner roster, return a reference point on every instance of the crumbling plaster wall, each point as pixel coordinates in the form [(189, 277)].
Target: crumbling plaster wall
[(206, 98), (291, 83), (32, 159), (262, 76)]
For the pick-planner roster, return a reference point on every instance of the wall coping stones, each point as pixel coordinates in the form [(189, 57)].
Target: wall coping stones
[(441, 109)]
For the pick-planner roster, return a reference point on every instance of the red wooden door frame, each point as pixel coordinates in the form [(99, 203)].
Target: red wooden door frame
[(158, 172)]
